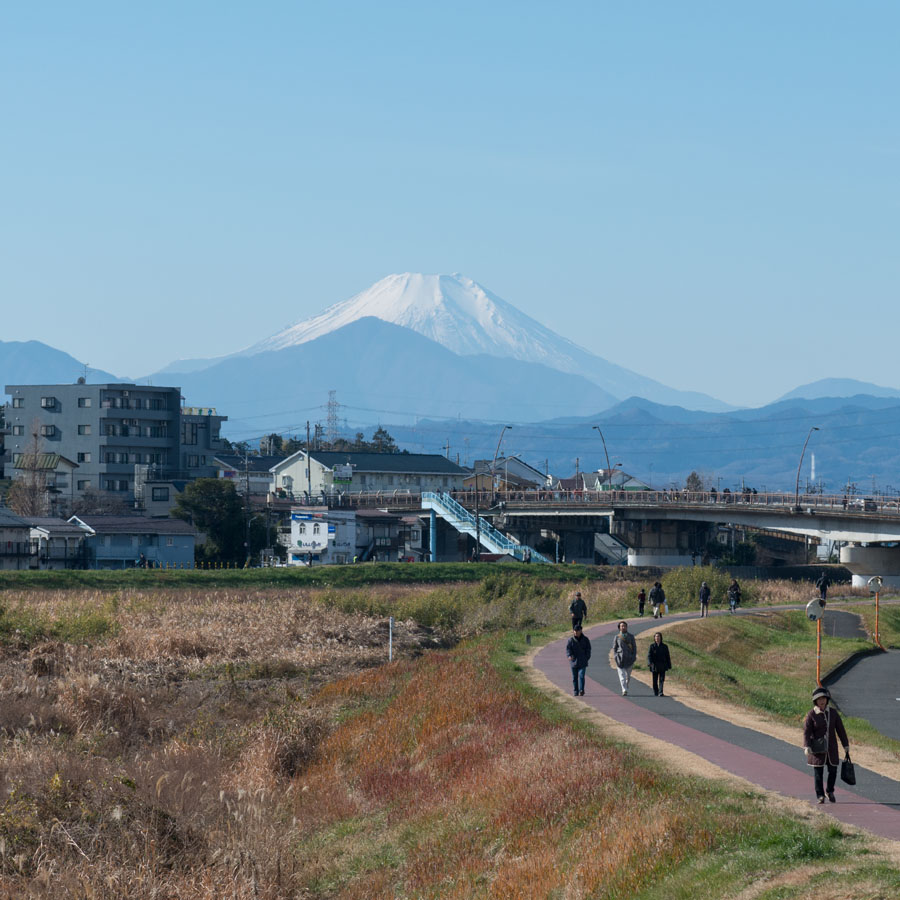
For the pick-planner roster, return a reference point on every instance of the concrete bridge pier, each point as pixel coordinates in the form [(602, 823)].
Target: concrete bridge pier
[(658, 542), (864, 562)]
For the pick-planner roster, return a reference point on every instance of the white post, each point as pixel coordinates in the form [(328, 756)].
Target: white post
[(391, 639)]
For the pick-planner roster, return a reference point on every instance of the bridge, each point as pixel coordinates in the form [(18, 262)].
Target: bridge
[(666, 527)]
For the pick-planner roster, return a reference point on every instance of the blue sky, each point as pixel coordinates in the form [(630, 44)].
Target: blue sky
[(706, 193)]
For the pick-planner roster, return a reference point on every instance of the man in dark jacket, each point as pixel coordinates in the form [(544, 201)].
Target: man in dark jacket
[(823, 583), (658, 662), (657, 599), (704, 599), (578, 609), (578, 651)]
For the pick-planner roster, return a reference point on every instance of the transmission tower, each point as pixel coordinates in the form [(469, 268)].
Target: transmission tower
[(332, 421)]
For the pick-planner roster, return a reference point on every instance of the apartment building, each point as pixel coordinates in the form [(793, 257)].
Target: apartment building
[(115, 433)]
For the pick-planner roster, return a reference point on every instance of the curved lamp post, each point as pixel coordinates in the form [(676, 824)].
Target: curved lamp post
[(799, 466), (503, 431), (608, 471)]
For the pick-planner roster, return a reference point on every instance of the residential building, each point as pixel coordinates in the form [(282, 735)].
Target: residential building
[(338, 536), (329, 472), (16, 548), (254, 472), (510, 473), (58, 544), (53, 475), (123, 542), (116, 433)]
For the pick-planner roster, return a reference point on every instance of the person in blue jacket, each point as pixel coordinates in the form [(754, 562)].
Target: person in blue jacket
[(578, 652)]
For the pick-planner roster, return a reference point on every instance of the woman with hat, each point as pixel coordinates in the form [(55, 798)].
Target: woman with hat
[(821, 730)]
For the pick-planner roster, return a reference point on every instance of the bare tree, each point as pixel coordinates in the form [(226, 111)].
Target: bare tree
[(27, 494)]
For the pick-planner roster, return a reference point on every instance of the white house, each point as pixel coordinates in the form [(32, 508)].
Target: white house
[(337, 472), (322, 536)]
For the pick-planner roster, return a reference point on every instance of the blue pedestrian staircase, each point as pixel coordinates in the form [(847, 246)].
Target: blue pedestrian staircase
[(465, 522)]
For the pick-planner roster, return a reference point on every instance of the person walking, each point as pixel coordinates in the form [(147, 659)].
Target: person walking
[(823, 583), (578, 652), (821, 730), (658, 662), (642, 601), (704, 600), (734, 595), (657, 599), (578, 609), (624, 653)]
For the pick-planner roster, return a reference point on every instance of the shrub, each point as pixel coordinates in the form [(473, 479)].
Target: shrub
[(682, 586)]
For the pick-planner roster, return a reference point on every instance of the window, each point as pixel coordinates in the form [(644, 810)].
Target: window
[(84, 402), (84, 429), (138, 403), (18, 430), (362, 479), (170, 542), (193, 460), (123, 485), (48, 430), (188, 432), (160, 493), (18, 402), (84, 484), (84, 457), (109, 485), (48, 402), (301, 529), (390, 479), (317, 528)]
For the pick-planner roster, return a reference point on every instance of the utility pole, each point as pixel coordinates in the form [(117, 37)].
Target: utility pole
[(247, 505), (446, 448), (308, 470)]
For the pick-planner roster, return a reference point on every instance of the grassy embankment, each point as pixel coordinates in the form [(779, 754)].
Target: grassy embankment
[(211, 743)]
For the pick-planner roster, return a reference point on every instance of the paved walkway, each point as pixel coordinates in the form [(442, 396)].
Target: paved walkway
[(873, 803)]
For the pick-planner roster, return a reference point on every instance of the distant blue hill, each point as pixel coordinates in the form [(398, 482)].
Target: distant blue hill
[(31, 362), (839, 387)]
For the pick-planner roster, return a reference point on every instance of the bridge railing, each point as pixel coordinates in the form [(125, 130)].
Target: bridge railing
[(489, 501)]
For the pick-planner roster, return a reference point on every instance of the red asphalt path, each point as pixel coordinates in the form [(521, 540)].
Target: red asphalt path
[(764, 770)]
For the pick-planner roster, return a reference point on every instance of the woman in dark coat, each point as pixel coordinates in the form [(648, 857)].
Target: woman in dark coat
[(659, 662), (823, 726)]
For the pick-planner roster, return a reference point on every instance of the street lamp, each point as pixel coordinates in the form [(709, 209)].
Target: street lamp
[(496, 452), (799, 466), (608, 472)]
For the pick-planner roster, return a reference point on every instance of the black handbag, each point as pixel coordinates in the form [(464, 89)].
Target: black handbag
[(848, 770), (818, 745)]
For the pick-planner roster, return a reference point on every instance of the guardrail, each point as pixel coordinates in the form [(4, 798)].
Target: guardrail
[(488, 501)]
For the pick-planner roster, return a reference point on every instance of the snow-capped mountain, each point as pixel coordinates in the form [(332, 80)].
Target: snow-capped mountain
[(468, 319)]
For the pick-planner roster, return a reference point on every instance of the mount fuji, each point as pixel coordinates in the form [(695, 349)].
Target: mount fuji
[(467, 319)]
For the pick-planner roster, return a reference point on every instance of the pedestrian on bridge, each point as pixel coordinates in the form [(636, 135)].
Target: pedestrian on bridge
[(704, 600), (625, 654), (578, 652), (821, 730), (657, 599), (658, 662), (578, 609)]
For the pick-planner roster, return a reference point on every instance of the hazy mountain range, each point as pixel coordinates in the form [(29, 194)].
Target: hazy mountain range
[(439, 357)]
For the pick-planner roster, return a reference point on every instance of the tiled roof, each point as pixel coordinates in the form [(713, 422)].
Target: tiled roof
[(135, 525), (420, 463), (45, 461), (8, 519)]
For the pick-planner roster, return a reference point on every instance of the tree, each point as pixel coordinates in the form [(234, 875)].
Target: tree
[(214, 507), (382, 442), (27, 495), (694, 483)]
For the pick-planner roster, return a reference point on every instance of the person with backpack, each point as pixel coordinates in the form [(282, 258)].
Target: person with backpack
[(704, 600), (578, 652), (657, 599), (734, 595), (578, 609), (624, 653)]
